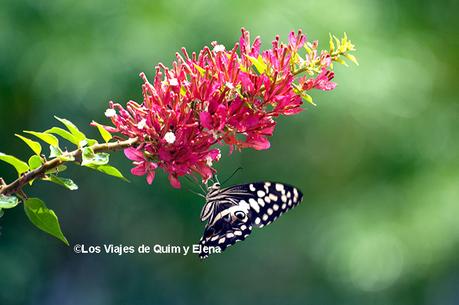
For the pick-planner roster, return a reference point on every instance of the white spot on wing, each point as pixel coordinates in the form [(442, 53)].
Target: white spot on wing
[(254, 205), (243, 204), (260, 193), (261, 202), (251, 188), (279, 187), (273, 197), (270, 211)]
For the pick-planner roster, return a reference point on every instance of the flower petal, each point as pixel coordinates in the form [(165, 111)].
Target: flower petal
[(206, 119), (174, 181), (133, 154), (150, 176), (258, 142), (139, 170)]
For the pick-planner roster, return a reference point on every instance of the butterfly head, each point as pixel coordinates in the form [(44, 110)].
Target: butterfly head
[(214, 186), (213, 189)]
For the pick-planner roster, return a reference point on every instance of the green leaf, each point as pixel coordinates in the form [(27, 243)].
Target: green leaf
[(332, 45), (201, 70), (182, 91), (243, 68), (20, 166), (303, 94), (91, 142), (56, 152), (58, 169), (8, 202), (351, 58), (103, 132), (258, 63), (338, 43), (83, 143), (91, 158), (63, 133), (308, 98), (43, 218), (109, 170), (88, 142), (46, 137), (35, 162), (337, 59), (65, 182), (35, 146), (78, 135)]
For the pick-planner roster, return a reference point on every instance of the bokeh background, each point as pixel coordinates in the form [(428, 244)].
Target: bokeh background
[(377, 160)]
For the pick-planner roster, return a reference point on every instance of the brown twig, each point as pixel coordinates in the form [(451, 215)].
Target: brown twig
[(16, 185)]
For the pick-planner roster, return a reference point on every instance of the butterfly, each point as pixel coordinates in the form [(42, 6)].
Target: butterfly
[(231, 213)]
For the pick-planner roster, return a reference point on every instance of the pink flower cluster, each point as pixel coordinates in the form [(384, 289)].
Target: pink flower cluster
[(214, 98)]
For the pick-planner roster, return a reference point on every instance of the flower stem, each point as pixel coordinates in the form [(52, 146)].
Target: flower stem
[(16, 186)]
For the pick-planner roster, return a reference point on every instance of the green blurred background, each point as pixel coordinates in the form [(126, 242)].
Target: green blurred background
[(377, 160)]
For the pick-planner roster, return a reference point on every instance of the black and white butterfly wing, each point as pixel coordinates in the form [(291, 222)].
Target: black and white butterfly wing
[(222, 234), (271, 200), (231, 212)]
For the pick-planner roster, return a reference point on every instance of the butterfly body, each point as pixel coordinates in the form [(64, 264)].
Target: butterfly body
[(232, 212)]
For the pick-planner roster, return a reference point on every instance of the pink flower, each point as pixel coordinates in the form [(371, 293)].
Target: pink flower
[(296, 42), (212, 98), (142, 166), (217, 120), (321, 82)]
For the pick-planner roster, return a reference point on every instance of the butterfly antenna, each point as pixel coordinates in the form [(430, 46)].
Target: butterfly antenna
[(234, 173), (189, 179), (200, 186), (196, 193)]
